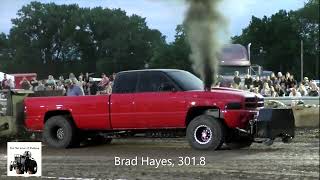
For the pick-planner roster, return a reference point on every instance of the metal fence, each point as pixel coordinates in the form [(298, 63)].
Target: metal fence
[(289, 100)]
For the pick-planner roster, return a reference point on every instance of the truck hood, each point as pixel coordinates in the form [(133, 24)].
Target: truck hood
[(227, 93), (238, 92)]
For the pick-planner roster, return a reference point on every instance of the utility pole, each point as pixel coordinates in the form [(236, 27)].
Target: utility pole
[(249, 52), (301, 61), (317, 60)]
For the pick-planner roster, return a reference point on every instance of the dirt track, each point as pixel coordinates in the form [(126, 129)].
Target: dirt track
[(298, 160)]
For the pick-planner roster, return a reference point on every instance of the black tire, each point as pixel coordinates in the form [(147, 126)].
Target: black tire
[(19, 170), (59, 132), (211, 131), (239, 142), (33, 167)]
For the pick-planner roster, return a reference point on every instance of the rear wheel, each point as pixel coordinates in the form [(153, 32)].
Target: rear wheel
[(205, 133), (59, 132), (33, 167)]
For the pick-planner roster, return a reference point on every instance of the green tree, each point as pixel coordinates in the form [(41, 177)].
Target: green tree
[(280, 36), (6, 53), (174, 55), (67, 38)]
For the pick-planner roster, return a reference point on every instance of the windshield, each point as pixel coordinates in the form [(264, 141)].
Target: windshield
[(229, 70), (233, 52), (186, 80)]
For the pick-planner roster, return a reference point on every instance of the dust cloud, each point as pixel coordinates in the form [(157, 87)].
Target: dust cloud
[(206, 30)]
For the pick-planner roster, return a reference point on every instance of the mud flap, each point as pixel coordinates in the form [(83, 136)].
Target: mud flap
[(273, 123)]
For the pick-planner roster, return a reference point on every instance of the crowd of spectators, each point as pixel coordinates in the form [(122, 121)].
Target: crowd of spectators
[(84, 84), (275, 86)]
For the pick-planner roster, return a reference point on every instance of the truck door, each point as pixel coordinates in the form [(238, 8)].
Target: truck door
[(158, 105), (122, 104)]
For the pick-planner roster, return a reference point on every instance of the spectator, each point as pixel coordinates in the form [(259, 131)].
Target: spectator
[(81, 74), (266, 92), (76, 82), (112, 78), (287, 75), (294, 93), (291, 82), (269, 81), (273, 92), (109, 89), (34, 83), (92, 87), (10, 84), (302, 90), (273, 78), (61, 79), (248, 81), (71, 76), (314, 90), (81, 83), (281, 92), (282, 80), (49, 88), (104, 82), (73, 89), (25, 84), (284, 88), (258, 83), (86, 77), (4, 82), (305, 81), (279, 75), (51, 82), (61, 87), (256, 90), (234, 86), (236, 78), (40, 87)]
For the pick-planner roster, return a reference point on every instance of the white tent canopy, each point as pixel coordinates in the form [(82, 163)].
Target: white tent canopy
[(8, 76)]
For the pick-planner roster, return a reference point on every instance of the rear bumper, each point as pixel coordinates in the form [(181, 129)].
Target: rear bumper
[(273, 123)]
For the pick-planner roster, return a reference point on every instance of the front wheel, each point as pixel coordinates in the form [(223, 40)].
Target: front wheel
[(19, 170), (205, 133)]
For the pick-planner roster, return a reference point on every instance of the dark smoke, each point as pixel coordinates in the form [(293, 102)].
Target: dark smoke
[(205, 28)]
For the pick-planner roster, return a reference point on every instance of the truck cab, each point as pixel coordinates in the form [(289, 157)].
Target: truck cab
[(233, 57)]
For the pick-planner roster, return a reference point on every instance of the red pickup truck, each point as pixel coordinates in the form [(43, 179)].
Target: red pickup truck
[(160, 101)]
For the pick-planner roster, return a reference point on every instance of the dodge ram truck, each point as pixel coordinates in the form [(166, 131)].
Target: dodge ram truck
[(159, 101)]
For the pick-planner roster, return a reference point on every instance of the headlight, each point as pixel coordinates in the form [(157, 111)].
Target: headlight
[(234, 105)]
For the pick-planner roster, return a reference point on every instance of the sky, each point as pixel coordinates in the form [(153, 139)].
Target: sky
[(165, 15)]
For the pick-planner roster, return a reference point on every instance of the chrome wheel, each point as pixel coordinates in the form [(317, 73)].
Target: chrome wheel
[(203, 134), (60, 134)]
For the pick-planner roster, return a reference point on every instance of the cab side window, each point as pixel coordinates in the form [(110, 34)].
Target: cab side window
[(154, 82), (125, 83)]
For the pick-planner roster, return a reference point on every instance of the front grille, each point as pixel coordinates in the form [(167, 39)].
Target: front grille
[(254, 102)]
